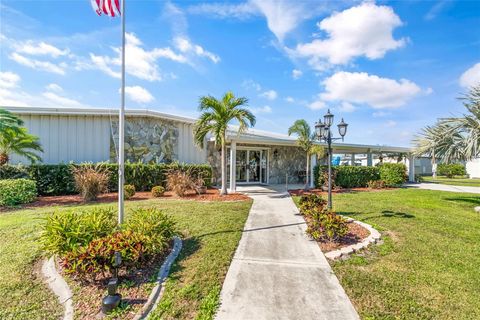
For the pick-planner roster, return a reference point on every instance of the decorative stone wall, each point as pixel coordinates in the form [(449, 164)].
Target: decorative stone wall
[(286, 160), (147, 140)]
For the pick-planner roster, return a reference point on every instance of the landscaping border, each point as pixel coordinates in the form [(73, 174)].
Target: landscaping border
[(345, 251), (64, 294)]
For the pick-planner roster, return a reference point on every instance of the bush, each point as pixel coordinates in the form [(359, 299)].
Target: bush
[(99, 255), (179, 182), (158, 191), (67, 231), (376, 184), (128, 191), (346, 176), (310, 203), (451, 169), (146, 233), (153, 224), (393, 174), (90, 181), (54, 180), (326, 225), (17, 191)]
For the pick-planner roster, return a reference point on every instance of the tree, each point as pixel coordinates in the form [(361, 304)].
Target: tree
[(9, 121), (306, 141), (455, 138), (215, 118), (18, 141)]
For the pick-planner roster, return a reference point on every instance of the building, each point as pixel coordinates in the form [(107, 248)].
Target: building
[(91, 135)]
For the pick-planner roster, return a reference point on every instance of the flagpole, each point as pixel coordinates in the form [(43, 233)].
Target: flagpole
[(121, 125)]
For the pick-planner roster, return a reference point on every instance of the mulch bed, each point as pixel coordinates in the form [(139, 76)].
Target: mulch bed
[(211, 195), (356, 233), (135, 289)]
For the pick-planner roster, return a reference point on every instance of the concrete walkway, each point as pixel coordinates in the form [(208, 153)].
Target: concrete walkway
[(443, 187), (277, 272)]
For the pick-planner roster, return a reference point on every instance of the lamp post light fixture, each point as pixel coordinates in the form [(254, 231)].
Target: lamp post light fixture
[(323, 133)]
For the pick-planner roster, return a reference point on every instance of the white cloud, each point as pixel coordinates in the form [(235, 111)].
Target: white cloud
[(61, 101), (139, 94), (269, 94), (54, 87), (223, 10), (290, 99), (251, 85), (380, 114), (317, 105), (390, 124), (362, 88), (186, 46), (58, 68), (142, 63), (346, 107), (471, 77), (264, 109), (364, 30), (296, 74), (436, 9), (9, 79), (39, 48)]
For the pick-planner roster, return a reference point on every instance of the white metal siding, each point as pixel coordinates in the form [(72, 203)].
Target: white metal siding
[(70, 138), (79, 138), (473, 168)]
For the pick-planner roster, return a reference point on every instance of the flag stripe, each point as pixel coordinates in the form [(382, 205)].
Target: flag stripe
[(106, 7)]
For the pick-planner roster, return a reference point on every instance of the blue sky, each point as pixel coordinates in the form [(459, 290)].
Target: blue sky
[(388, 68)]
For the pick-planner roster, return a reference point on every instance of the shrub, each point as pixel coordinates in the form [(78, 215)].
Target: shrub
[(17, 191), (59, 179), (376, 184), (393, 174), (99, 255), (128, 191), (67, 231), (326, 225), (158, 191), (179, 182), (153, 224), (346, 176), (451, 169), (311, 202), (90, 181)]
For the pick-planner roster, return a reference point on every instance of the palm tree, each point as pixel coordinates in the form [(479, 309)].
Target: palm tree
[(18, 141), (9, 121), (215, 117), (456, 138), (306, 141)]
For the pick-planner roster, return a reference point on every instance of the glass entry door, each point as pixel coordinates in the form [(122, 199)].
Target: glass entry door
[(251, 165)]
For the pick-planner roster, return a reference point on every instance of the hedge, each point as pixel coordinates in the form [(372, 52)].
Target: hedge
[(17, 191), (58, 179), (393, 174), (451, 169)]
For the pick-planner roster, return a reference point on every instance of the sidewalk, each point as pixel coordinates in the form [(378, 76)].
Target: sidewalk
[(277, 272), (443, 187)]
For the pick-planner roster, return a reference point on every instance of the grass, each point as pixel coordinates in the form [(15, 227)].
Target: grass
[(428, 265), (212, 231), (475, 182)]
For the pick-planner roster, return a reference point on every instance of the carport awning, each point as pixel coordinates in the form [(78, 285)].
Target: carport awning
[(253, 136)]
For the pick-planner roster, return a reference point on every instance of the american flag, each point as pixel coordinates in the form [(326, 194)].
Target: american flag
[(107, 7)]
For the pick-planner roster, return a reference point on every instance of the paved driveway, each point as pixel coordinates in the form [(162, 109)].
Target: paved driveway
[(277, 272), (443, 187)]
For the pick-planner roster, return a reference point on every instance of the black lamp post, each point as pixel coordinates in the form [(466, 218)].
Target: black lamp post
[(324, 133)]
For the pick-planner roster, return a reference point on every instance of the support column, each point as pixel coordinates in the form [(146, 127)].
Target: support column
[(233, 164), (369, 159), (352, 159), (313, 163), (411, 168)]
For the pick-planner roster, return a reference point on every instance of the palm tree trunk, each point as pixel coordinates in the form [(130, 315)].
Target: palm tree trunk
[(223, 191), (307, 174), (3, 158)]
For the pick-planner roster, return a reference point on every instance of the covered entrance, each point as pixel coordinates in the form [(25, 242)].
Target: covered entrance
[(250, 165)]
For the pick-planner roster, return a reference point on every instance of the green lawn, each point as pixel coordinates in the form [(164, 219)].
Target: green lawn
[(454, 181), (212, 231), (429, 264)]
